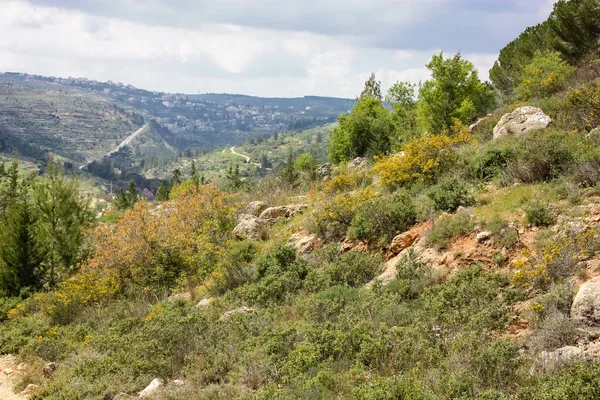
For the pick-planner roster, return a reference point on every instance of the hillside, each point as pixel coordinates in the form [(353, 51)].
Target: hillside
[(441, 244)]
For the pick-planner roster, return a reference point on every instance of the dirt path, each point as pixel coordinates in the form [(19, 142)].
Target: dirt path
[(244, 156), (6, 384), (125, 142)]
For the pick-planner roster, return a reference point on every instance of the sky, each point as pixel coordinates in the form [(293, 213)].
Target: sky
[(272, 48)]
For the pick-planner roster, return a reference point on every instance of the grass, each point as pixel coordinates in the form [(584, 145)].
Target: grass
[(508, 202)]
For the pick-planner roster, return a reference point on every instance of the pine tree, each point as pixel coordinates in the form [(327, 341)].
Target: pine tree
[(289, 173), (60, 214), (162, 194)]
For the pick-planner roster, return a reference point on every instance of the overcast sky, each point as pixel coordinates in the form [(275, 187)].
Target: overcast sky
[(258, 47)]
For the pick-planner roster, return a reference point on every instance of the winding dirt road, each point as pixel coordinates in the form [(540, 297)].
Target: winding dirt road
[(125, 142), (244, 156), (6, 384)]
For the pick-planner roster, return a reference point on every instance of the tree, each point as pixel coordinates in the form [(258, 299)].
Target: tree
[(233, 180), (372, 89), (576, 27), (367, 130), (194, 175), (454, 91), (162, 194), (176, 179), (127, 198), (289, 173), (546, 74), (60, 216), (402, 98)]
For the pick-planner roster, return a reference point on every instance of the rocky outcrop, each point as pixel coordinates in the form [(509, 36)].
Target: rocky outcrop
[(231, 313), (521, 121), (585, 309), (474, 126), (152, 388), (273, 213), (549, 361), (255, 208), (250, 227), (402, 242), (324, 171), (349, 245), (48, 370), (205, 302), (358, 163), (305, 243)]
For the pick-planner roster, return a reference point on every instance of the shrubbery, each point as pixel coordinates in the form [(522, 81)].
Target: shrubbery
[(448, 227)]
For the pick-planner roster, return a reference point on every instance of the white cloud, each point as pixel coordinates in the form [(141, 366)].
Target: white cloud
[(221, 52)]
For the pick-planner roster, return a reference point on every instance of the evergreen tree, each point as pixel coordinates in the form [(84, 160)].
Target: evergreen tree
[(289, 173), (162, 194), (233, 179), (176, 179), (60, 214), (127, 198)]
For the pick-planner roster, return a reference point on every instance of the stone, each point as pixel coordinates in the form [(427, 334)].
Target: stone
[(49, 369), (402, 242), (585, 309), (152, 388), (30, 389), (304, 242), (255, 208), (484, 236), (230, 313), (349, 245), (177, 382), (594, 134), (205, 302), (358, 163), (250, 227), (180, 296), (549, 361), (283, 211), (324, 171), (521, 121), (474, 126)]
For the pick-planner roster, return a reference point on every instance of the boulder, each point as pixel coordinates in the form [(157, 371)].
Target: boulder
[(187, 296), (250, 227), (255, 208), (205, 302), (323, 171), (585, 309), (305, 243), (273, 213), (49, 369), (152, 388), (549, 361), (230, 313), (177, 382), (402, 242), (358, 163), (474, 126), (349, 245), (484, 236), (30, 389), (594, 134), (521, 121)]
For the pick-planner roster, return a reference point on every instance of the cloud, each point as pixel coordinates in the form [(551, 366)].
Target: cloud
[(262, 47)]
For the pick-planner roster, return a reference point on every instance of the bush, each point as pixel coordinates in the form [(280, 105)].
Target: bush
[(546, 74), (353, 268), (490, 161), (538, 214), (422, 159), (449, 194), (448, 227), (383, 218), (505, 235)]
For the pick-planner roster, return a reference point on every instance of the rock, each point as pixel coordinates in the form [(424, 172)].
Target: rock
[(250, 227), (402, 242), (521, 121), (585, 309), (484, 236), (9, 371), (205, 302), (152, 388), (180, 296), (304, 242), (324, 171), (594, 134), (30, 389), (49, 369), (283, 211), (177, 382), (358, 163), (255, 208), (230, 313), (349, 245), (549, 361), (477, 123)]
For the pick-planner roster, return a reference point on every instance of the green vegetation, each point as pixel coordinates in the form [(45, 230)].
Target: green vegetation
[(439, 266)]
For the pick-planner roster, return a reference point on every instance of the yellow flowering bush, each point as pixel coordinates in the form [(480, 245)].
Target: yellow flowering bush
[(581, 106), (423, 158), (546, 74)]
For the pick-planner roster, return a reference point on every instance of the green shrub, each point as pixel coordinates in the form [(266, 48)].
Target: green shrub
[(579, 381), (384, 217), (489, 161), (449, 194), (448, 227), (353, 268), (391, 388), (546, 74), (504, 235), (538, 214)]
